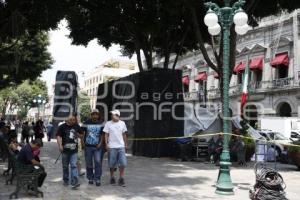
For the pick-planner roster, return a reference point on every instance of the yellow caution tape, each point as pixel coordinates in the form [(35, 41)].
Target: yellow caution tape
[(210, 134)]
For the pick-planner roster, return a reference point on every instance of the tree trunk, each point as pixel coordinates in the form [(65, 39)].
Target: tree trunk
[(148, 58), (200, 40), (167, 60), (139, 59)]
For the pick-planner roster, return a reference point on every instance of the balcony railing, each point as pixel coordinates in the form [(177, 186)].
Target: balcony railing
[(283, 82), (191, 96), (261, 86)]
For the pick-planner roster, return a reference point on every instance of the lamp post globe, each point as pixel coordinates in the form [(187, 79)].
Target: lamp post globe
[(240, 18), (214, 30), (211, 19), (242, 30)]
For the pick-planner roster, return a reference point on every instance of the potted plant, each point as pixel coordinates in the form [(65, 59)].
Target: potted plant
[(294, 153)]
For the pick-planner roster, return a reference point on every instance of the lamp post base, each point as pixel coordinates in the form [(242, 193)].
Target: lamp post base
[(224, 184)]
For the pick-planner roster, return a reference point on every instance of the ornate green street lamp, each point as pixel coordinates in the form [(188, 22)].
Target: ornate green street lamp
[(216, 19), (39, 101)]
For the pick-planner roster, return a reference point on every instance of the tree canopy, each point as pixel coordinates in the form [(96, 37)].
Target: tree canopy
[(27, 59), (164, 27), (152, 26), (23, 42), (20, 16)]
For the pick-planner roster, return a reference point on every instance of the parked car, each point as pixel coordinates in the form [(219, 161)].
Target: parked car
[(280, 141), (295, 135)]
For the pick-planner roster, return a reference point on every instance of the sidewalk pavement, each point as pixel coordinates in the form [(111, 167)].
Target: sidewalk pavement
[(153, 179)]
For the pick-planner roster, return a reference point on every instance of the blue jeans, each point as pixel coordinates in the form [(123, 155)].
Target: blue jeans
[(69, 160), (93, 161)]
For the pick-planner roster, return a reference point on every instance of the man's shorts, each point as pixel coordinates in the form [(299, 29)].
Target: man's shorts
[(117, 157)]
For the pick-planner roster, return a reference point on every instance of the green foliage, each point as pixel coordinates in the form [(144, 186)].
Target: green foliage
[(150, 26), (20, 16), (26, 59), (161, 26), (22, 96), (23, 45), (84, 105)]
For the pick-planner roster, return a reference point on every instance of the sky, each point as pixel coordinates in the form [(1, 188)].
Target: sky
[(75, 58)]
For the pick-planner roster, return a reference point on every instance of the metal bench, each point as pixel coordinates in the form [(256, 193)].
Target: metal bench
[(27, 179)]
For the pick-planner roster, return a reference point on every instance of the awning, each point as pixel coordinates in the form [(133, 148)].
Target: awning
[(201, 76), (280, 59), (239, 68), (256, 63), (185, 80), (216, 75)]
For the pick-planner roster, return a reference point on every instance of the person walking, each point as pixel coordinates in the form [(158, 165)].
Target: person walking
[(93, 147), (67, 139), (116, 143), (39, 130), (25, 132), (50, 130), (31, 131)]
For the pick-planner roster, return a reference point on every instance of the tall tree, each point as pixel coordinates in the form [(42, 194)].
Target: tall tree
[(84, 105), (21, 24), (20, 16), (164, 27), (152, 26), (27, 59), (21, 96)]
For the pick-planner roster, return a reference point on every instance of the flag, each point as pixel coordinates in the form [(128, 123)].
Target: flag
[(244, 95)]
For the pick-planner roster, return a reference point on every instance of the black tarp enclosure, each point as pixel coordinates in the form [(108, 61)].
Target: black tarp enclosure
[(65, 96), (151, 104)]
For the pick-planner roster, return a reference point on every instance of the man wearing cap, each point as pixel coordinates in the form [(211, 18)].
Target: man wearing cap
[(116, 143), (93, 148)]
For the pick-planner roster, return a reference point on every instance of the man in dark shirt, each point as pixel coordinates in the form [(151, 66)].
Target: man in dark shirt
[(26, 157), (67, 140), (93, 148), (3, 132)]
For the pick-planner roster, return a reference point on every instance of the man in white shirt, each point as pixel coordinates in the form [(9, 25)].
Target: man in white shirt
[(116, 143)]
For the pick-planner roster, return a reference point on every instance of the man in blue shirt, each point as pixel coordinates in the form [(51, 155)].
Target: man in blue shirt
[(93, 148)]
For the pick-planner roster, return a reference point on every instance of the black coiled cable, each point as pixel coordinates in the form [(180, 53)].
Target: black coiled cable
[(269, 185)]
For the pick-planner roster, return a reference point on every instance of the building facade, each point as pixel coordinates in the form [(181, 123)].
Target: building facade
[(109, 70), (272, 52)]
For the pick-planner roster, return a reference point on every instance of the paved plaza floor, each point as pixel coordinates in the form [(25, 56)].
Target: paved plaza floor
[(153, 179)]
